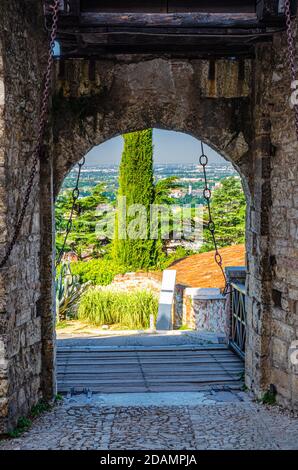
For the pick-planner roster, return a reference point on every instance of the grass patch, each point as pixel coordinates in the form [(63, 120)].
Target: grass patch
[(60, 325), (242, 376), (118, 327), (25, 423), (130, 309), (40, 408), (269, 397), (184, 328)]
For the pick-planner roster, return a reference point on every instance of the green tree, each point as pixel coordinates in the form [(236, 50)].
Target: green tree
[(166, 226), (83, 234), (136, 184), (228, 207), (163, 188)]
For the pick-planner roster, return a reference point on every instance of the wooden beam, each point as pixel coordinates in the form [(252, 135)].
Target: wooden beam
[(137, 37), (199, 20), (90, 34), (202, 51)]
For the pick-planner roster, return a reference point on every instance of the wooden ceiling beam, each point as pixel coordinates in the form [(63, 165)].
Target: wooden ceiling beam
[(89, 33), (192, 51), (199, 20)]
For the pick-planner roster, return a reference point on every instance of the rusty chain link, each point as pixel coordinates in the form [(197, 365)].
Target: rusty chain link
[(211, 225), (40, 135), (75, 197), (291, 50)]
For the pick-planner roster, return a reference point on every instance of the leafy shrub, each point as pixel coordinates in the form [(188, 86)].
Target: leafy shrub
[(68, 292), (99, 271), (166, 260), (228, 207), (106, 307)]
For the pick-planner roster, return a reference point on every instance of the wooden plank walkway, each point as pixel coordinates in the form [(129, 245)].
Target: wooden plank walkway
[(147, 369)]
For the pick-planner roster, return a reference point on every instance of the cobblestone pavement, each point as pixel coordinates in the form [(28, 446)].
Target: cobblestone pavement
[(212, 420)]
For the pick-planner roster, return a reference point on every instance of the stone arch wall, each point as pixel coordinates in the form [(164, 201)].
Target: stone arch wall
[(162, 93), (241, 109)]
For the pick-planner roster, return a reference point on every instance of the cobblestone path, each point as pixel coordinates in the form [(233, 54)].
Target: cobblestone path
[(212, 420)]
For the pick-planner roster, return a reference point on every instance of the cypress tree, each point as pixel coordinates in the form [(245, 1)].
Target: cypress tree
[(136, 184)]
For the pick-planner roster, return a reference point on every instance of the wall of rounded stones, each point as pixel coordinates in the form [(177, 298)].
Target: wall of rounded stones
[(136, 281)]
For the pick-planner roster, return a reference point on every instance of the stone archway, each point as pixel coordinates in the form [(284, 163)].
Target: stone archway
[(132, 96), (239, 107)]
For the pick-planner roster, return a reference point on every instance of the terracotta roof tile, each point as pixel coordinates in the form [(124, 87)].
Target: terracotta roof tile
[(201, 270)]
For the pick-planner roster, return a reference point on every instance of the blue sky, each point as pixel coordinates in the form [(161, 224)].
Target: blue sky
[(169, 147)]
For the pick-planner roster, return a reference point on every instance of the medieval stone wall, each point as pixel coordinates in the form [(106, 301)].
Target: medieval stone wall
[(21, 66), (282, 220), (272, 239)]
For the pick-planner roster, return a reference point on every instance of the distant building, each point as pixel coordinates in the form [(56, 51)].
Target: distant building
[(70, 257), (177, 193)]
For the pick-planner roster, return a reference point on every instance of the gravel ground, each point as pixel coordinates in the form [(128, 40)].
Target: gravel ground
[(211, 420)]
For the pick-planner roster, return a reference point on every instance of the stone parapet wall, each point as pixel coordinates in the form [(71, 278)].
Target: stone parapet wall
[(199, 309), (204, 310), (136, 281)]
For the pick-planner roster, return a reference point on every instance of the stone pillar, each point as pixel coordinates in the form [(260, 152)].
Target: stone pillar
[(283, 255), (22, 53), (258, 235), (47, 300), (236, 274), (272, 239), (204, 310), (4, 376)]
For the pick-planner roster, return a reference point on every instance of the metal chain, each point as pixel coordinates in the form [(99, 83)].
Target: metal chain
[(211, 225), (291, 49), (75, 197), (41, 129)]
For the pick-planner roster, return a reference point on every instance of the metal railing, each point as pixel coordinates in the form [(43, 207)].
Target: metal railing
[(238, 318)]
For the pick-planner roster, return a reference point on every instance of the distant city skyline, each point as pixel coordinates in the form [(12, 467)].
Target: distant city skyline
[(169, 147)]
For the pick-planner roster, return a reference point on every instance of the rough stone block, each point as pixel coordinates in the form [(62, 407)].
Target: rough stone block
[(281, 380), (23, 317), (282, 331), (280, 351)]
